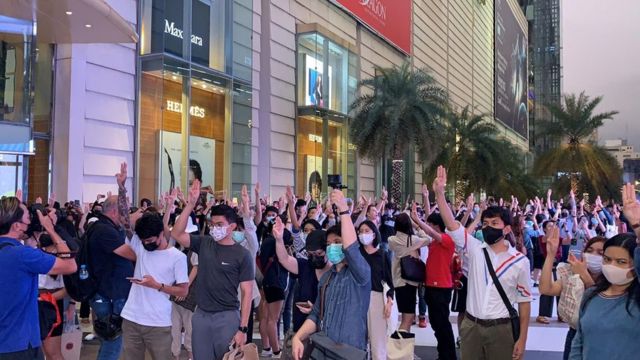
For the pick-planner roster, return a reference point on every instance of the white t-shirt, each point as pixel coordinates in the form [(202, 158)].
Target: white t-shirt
[(147, 306)]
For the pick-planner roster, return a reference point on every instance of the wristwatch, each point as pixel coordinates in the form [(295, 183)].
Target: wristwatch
[(243, 329), (346, 212)]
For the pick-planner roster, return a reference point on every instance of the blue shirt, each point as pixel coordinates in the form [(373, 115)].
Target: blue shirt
[(347, 300), (20, 266), (606, 330)]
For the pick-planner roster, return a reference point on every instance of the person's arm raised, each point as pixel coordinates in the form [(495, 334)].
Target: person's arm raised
[(547, 285), (426, 228), (631, 207), (439, 185), (286, 260), (257, 217), (61, 266), (349, 236), (295, 222), (178, 232)]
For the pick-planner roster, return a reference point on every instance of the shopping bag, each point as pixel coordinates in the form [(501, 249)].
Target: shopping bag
[(71, 341), (401, 345), (244, 352), (392, 320)]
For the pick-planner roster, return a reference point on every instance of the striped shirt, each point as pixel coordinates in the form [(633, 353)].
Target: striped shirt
[(511, 267)]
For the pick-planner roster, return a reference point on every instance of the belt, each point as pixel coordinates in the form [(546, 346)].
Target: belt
[(488, 323)]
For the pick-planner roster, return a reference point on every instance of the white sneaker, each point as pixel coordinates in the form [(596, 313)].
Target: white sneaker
[(266, 354), (274, 356), (89, 337)]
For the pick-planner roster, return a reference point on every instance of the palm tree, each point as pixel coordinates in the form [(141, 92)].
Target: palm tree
[(398, 115), (588, 167)]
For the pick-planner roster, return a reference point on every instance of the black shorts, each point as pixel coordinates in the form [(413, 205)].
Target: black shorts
[(538, 261), (406, 299), (459, 301), (273, 294), (57, 331)]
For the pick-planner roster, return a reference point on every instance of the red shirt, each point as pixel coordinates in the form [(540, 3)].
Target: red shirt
[(438, 267)]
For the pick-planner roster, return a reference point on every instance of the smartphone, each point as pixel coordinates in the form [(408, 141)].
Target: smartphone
[(305, 305), (76, 203), (134, 279), (576, 253)]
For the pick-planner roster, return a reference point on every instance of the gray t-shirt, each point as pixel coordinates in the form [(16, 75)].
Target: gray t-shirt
[(221, 269)]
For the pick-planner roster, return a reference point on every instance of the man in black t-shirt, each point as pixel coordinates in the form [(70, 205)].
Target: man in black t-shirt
[(223, 266)]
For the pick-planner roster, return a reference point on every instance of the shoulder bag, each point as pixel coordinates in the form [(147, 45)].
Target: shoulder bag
[(513, 314), (412, 268)]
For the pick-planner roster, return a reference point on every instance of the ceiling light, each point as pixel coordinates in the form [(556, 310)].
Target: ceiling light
[(69, 12), (87, 25), (174, 77), (204, 86)]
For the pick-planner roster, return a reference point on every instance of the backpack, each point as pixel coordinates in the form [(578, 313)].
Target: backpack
[(82, 285)]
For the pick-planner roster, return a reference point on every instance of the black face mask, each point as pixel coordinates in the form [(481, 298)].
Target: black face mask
[(491, 235), (150, 246), (318, 262)]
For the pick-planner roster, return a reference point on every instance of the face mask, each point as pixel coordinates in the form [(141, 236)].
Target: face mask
[(529, 224), (271, 219), (594, 263), (218, 233), (238, 236), (594, 221), (335, 254), (366, 239), (491, 235), (150, 246), (318, 262), (616, 275), (331, 222), (479, 235), (476, 209)]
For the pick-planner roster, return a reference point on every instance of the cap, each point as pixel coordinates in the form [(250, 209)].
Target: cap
[(316, 240)]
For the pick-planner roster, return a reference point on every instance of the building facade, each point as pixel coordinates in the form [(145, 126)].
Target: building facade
[(621, 150), (242, 91)]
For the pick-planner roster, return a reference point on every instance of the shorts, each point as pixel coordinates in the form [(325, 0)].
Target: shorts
[(273, 294), (459, 301), (538, 261), (406, 299)]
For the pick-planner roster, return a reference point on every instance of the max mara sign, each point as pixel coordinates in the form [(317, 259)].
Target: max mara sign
[(390, 19), (171, 29)]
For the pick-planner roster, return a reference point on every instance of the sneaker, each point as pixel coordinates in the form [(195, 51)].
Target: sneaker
[(266, 353), (89, 337), (422, 322), (277, 356)]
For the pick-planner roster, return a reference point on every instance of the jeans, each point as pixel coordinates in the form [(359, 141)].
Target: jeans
[(438, 300), (422, 304), (103, 307), (288, 304), (546, 302), (567, 344)]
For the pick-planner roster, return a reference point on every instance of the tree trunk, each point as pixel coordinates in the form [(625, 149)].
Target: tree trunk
[(397, 176)]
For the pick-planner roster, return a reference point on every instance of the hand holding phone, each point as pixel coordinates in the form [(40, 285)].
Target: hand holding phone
[(304, 307), (134, 280)]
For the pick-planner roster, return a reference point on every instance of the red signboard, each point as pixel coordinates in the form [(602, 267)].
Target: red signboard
[(391, 19)]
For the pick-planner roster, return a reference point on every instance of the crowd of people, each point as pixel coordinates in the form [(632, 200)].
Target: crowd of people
[(335, 275)]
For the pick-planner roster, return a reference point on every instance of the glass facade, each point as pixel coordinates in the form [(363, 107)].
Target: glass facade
[(327, 82), (195, 96)]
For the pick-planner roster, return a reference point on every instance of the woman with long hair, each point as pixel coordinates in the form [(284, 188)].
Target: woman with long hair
[(381, 301), (405, 243), (589, 269), (610, 312)]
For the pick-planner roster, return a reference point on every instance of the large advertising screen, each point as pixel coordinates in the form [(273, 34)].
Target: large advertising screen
[(510, 92), (391, 19)]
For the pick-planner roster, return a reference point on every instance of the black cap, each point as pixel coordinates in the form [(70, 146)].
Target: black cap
[(316, 240)]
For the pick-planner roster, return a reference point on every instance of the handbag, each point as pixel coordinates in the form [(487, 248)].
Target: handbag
[(71, 340), (244, 352), (321, 347), (412, 268), (401, 346), (513, 314), (571, 295)]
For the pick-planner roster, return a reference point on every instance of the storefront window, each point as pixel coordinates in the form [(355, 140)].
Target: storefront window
[(163, 30), (16, 37), (327, 79), (242, 39), (242, 135)]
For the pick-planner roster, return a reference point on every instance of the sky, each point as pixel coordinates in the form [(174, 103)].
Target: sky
[(601, 55)]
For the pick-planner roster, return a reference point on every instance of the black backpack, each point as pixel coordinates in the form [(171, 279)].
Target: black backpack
[(82, 289)]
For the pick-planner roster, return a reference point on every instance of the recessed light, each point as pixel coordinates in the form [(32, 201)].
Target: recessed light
[(174, 77), (87, 25), (204, 86), (69, 12)]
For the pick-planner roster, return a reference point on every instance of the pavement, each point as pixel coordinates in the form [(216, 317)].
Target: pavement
[(545, 342)]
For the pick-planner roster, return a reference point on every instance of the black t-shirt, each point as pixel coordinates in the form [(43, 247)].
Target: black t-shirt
[(111, 270), (386, 230), (221, 269), (380, 263), (307, 288)]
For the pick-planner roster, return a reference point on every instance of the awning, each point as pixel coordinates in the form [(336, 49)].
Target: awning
[(72, 21)]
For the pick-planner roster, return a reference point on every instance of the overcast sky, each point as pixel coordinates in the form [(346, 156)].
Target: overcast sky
[(601, 55)]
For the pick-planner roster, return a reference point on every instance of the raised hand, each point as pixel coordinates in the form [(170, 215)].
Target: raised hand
[(194, 192), (470, 202), (121, 177), (385, 194), (19, 195), (278, 229), (440, 182), (577, 266), (244, 195), (52, 199), (307, 197), (553, 241), (45, 221), (337, 198), (414, 212), (630, 205), (549, 192), (256, 190)]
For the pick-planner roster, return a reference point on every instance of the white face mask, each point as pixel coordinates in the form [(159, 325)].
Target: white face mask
[(616, 275), (366, 239), (594, 263), (218, 232)]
